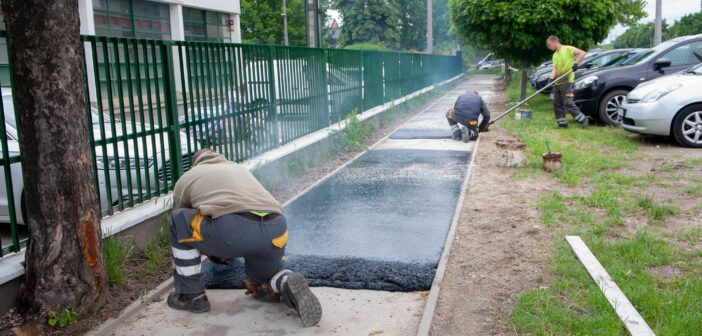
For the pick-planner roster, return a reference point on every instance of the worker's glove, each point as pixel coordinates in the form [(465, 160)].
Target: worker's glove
[(575, 67), (484, 126)]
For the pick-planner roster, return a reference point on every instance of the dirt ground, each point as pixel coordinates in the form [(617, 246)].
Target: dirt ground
[(499, 247)]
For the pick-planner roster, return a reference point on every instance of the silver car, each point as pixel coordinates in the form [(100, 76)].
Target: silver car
[(112, 159), (668, 106)]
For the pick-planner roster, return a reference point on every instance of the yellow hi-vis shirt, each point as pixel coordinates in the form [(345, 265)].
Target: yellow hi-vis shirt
[(563, 60)]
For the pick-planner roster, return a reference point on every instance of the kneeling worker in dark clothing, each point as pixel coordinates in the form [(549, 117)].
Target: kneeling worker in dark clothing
[(222, 211), (463, 117)]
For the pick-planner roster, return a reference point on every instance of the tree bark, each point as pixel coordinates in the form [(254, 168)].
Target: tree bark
[(508, 73), (64, 267), (523, 85)]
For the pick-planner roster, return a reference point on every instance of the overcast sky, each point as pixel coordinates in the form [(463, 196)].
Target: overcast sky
[(672, 10)]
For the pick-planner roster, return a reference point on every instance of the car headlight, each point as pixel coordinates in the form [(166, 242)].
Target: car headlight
[(660, 93), (585, 82), (112, 163)]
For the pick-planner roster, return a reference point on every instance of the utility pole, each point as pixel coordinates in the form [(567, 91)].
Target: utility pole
[(658, 34), (285, 23), (313, 28), (430, 28)]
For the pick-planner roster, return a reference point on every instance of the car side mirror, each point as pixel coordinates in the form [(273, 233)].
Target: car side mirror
[(588, 66), (662, 63)]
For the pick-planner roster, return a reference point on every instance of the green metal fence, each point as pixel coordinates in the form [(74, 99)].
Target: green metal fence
[(154, 103)]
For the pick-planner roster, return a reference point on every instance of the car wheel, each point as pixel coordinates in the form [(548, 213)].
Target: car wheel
[(610, 106), (687, 126)]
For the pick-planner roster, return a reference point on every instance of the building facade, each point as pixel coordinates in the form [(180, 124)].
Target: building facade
[(184, 20)]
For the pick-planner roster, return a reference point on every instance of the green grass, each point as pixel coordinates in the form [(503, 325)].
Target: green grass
[(597, 158), (156, 251), (116, 251), (695, 190), (574, 305), (656, 212), (354, 135)]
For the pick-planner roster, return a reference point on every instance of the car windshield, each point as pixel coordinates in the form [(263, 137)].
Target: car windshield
[(648, 54), (621, 58)]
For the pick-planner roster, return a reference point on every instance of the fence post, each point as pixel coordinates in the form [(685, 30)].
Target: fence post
[(171, 105), (272, 113), (362, 83)]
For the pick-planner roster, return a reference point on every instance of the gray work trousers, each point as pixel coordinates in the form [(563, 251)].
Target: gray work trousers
[(260, 242), (562, 101)]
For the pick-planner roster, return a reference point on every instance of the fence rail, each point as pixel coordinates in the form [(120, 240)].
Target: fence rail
[(150, 104)]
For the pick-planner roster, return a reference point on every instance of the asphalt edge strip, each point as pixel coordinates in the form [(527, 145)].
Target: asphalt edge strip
[(112, 324), (433, 298)]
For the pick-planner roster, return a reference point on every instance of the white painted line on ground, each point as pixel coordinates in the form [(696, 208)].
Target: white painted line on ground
[(634, 323)]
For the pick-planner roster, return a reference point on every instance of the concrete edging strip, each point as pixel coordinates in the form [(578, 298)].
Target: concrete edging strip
[(631, 318), (433, 299), (110, 325)]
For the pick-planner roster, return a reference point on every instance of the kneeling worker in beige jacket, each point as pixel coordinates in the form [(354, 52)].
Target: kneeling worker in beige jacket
[(222, 211)]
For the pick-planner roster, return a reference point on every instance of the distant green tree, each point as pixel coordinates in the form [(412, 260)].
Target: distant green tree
[(516, 30), (441, 24), (369, 21), (639, 35), (366, 46), (262, 22), (690, 24), (413, 24)]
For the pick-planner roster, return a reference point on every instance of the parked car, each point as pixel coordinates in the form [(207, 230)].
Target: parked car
[(601, 93), (540, 76), (484, 60), (114, 161), (494, 64), (593, 60), (668, 106)]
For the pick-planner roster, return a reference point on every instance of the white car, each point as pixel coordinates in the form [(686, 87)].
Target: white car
[(152, 156), (668, 106)]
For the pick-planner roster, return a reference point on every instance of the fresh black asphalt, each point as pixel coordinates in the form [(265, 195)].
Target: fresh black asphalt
[(378, 223)]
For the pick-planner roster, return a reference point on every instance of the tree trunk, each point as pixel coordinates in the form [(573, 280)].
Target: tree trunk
[(508, 73), (64, 266), (523, 85)]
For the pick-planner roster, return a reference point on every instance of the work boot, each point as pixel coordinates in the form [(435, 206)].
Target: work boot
[(465, 134), (584, 123), (295, 293), (194, 303), (457, 135), (562, 125)]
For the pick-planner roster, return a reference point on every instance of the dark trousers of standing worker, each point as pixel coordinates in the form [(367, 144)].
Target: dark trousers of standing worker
[(562, 101), (259, 240), (454, 121)]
